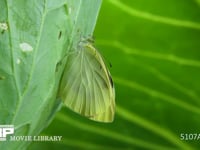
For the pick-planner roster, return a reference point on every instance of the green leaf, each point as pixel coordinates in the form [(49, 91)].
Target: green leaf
[(154, 50), (35, 36)]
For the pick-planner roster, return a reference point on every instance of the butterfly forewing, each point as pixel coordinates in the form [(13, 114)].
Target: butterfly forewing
[(86, 87)]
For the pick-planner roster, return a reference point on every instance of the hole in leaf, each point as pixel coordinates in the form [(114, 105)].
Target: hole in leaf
[(60, 34), (58, 65)]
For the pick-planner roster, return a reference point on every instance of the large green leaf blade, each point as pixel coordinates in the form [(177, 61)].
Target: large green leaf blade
[(154, 50), (33, 47), (30, 50)]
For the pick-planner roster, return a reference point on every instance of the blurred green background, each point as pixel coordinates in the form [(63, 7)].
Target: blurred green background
[(153, 47)]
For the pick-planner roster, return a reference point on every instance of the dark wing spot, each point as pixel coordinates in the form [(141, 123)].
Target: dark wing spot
[(111, 81)]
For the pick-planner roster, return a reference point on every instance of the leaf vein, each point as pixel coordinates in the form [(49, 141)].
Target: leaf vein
[(155, 18), (110, 134), (158, 94), (12, 61), (168, 135), (153, 55)]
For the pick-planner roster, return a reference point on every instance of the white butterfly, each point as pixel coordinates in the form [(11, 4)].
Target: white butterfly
[(86, 86)]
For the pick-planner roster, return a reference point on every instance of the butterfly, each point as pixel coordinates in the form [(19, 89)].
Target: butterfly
[(86, 86)]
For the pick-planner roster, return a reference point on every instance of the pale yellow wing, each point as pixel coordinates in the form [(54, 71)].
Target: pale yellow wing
[(87, 86), (107, 116)]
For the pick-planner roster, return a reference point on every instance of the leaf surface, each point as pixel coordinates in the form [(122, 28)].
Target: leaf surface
[(154, 50)]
